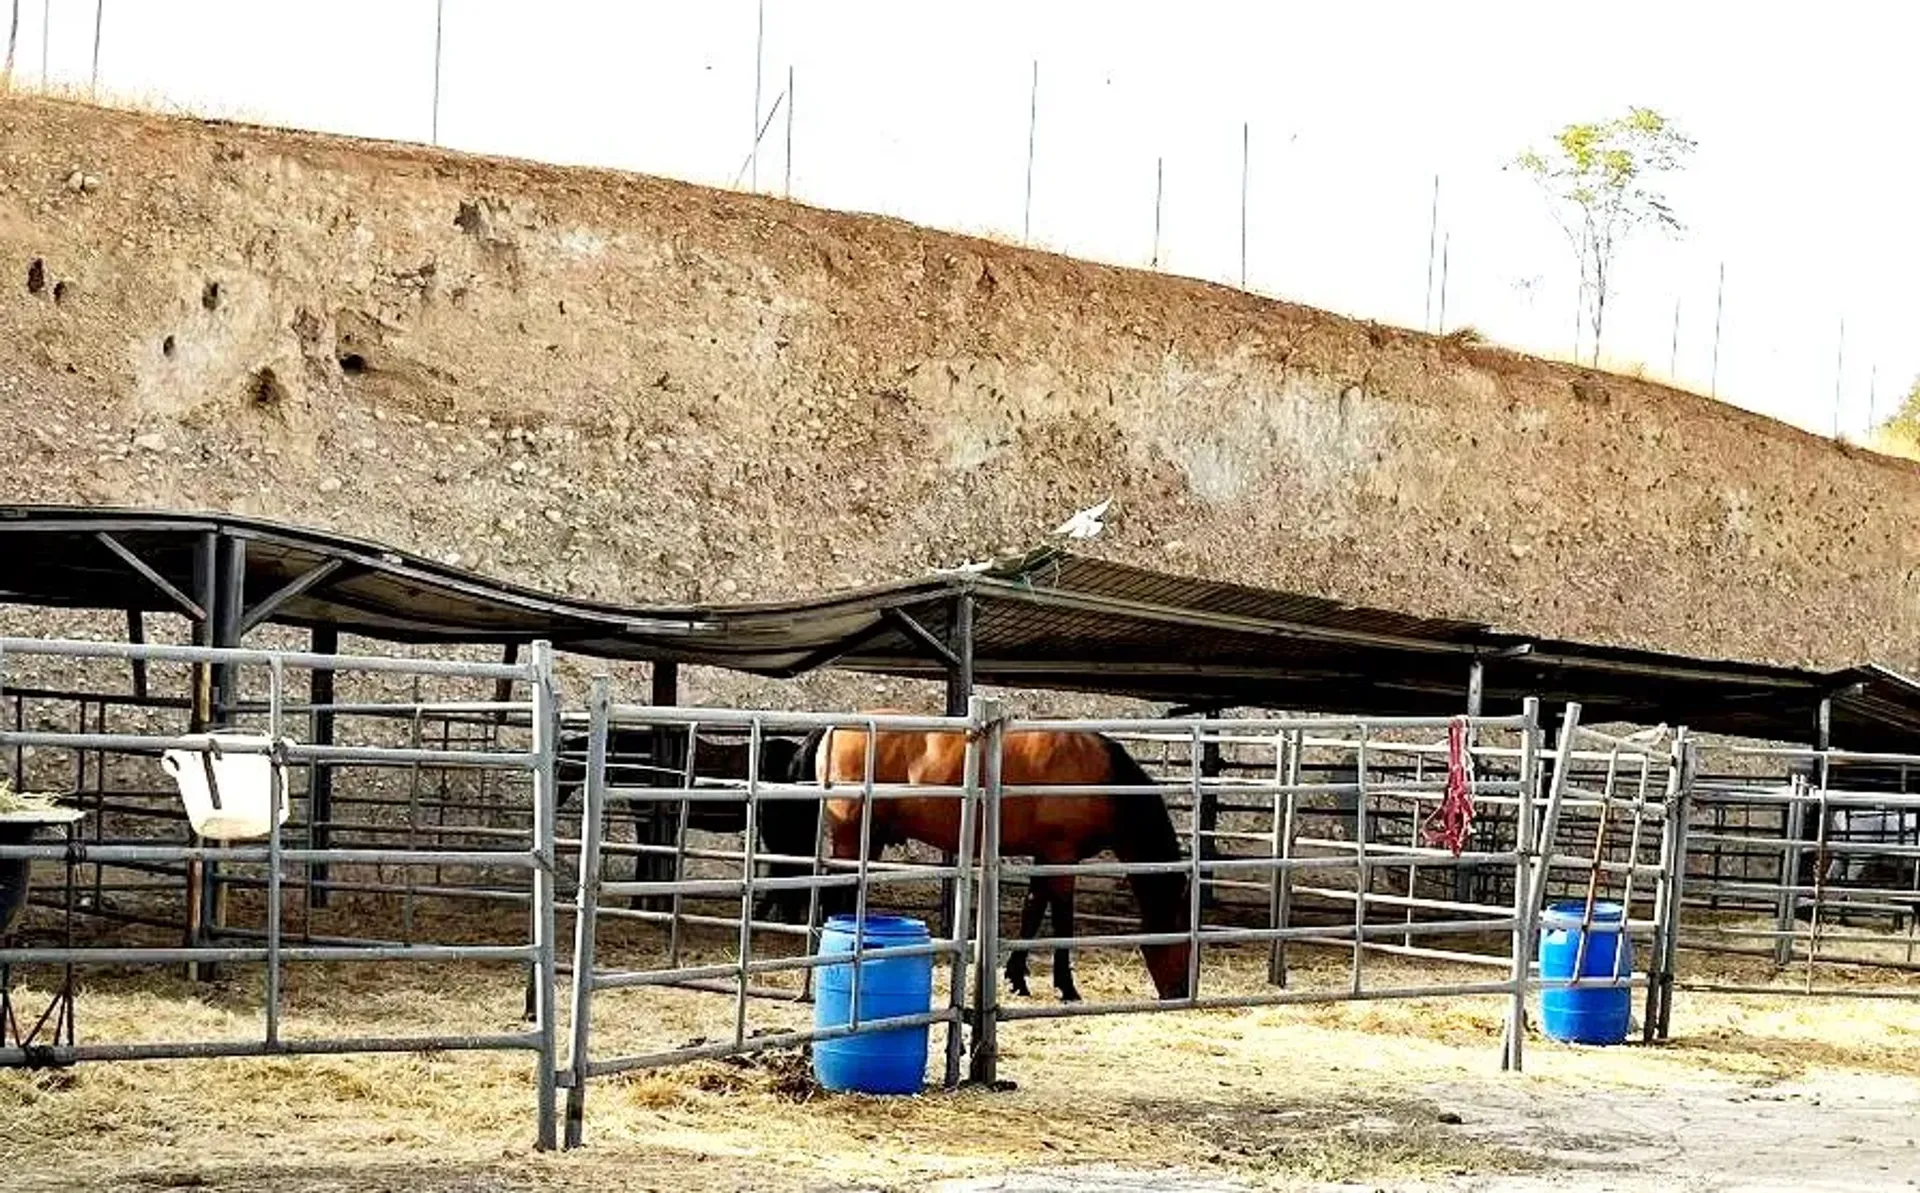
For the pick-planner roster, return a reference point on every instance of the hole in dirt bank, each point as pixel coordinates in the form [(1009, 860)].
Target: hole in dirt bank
[(468, 218), (210, 296), (59, 293), (36, 276), (353, 364), (166, 347), (265, 390)]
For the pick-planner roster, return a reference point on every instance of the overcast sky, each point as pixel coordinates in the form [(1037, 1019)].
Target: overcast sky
[(1802, 184)]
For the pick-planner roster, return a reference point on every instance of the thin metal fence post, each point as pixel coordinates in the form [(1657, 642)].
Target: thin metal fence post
[(1033, 125), (984, 1063), (587, 906), (1246, 164), (961, 927), (1433, 243), (1282, 892), (1719, 309), (276, 800), (749, 842), (1159, 190), (1523, 853), (99, 16), (1196, 861), (759, 45), (439, 21), (786, 163), (546, 718)]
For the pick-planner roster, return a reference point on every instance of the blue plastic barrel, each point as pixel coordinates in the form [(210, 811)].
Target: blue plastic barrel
[(883, 1062), (1584, 1015)]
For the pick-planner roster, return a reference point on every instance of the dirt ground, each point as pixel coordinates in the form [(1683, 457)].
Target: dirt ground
[(1758, 1091)]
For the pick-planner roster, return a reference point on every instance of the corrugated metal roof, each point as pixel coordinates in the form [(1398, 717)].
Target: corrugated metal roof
[(1047, 619)]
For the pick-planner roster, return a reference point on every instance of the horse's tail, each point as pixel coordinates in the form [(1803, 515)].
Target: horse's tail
[(1143, 831), (806, 763)]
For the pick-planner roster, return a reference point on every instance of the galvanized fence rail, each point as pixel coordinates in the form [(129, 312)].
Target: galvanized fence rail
[(1807, 859), (531, 853), (1596, 814)]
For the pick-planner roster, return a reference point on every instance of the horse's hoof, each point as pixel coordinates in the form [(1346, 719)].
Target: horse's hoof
[(1069, 995), (1019, 986)]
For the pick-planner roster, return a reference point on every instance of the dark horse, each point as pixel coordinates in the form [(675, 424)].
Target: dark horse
[(1052, 829), (787, 826)]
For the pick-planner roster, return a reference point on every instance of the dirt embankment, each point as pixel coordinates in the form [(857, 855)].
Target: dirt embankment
[(638, 389)]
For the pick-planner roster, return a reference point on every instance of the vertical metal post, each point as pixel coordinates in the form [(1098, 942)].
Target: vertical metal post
[(206, 590), (1196, 870), (1839, 374), (1362, 865), (320, 693), (1207, 803), (961, 926), (228, 609), (750, 837), (1476, 689), (661, 822), (1033, 125), (1665, 917), (1159, 189), (1719, 308), (1523, 900), (93, 81), (1793, 853), (1673, 349), (1433, 243), (586, 908), (46, 23), (786, 182), (546, 740), (959, 702), (1281, 894), (439, 14), (276, 842), (1686, 756), (1246, 161), (759, 46), (986, 1009), (1446, 254), (137, 634)]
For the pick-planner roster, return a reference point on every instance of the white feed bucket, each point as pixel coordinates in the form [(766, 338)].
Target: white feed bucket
[(227, 794)]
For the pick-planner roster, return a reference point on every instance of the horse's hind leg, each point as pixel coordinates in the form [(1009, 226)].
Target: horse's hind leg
[(1060, 894), (1030, 914)]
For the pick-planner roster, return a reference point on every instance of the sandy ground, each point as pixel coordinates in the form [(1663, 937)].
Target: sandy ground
[(1760, 1091)]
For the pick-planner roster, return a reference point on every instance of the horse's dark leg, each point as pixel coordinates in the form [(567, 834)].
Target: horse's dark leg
[(1030, 915), (1060, 892)]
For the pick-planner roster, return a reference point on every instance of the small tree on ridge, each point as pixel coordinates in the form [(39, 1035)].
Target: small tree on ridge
[(1598, 179)]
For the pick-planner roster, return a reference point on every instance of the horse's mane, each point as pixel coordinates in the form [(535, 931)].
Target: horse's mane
[(1143, 831)]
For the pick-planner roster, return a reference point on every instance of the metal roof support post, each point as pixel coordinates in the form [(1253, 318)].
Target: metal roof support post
[(325, 639), (206, 586), (959, 700), (226, 613), (660, 825), (137, 634)]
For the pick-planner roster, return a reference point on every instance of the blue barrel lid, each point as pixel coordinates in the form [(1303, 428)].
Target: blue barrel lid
[(1572, 914), (879, 925)]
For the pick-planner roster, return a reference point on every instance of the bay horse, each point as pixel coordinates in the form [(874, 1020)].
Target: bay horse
[(1052, 829)]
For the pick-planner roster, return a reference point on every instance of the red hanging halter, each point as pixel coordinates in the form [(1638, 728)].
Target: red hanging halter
[(1450, 824)]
